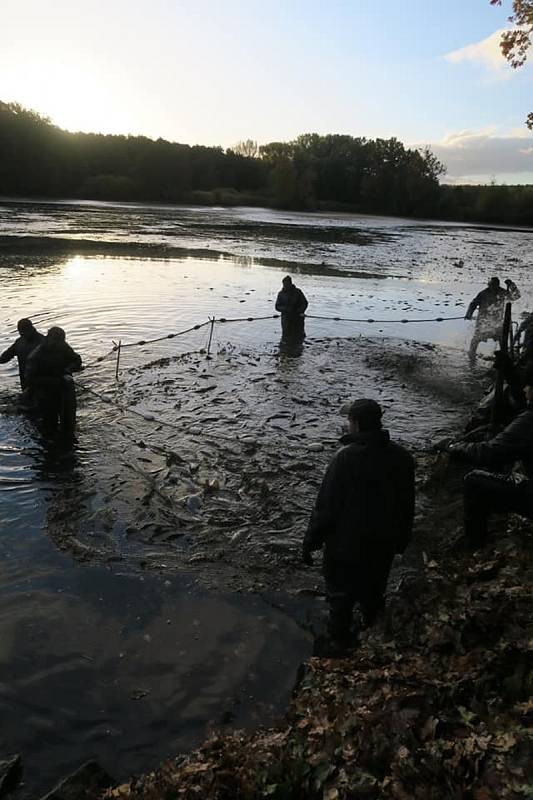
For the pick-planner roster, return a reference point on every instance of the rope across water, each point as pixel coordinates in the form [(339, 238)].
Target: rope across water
[(151, 418), (226, 320)]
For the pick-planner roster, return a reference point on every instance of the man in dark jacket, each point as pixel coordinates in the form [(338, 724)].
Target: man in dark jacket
[(487, 492), (362, 517), (29, 339), (526, 329), (490, 303), (48, 376), (291, 303)]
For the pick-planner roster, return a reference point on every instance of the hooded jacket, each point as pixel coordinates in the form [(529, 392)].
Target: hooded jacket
[(291, 302), (365, 506)]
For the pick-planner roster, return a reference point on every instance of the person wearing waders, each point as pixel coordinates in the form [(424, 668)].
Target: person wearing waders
[(362, 517), (490, 303), (29, 339), (291, 303), (49, 378), (487, 492)]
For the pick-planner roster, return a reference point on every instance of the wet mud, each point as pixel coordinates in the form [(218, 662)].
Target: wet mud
[(212, 465), (320, 243)]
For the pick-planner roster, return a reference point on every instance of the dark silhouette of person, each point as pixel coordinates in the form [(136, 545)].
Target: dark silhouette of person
[(291, 303), (490, 303), (49, 377), (28, 340), (523, 337), (487, 492), (362, 517)]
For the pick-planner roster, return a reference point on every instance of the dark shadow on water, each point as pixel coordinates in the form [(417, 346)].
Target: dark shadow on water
[(100, 663), (57, 458), (130, 670)]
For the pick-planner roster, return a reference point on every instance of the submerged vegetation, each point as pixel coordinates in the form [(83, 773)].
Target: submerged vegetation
[(313, 172)]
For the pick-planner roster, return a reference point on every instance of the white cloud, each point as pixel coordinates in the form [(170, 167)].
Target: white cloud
[(477, 156), (486, 52), (520, 133)]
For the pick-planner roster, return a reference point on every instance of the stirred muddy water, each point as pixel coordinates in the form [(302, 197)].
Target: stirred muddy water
[(120, 639)]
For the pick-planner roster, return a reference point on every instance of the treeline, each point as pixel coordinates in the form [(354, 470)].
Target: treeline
[(507, 205), (38, 159)]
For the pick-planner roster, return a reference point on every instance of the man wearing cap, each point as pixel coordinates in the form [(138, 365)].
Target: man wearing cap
[(490, 303), (363, 516), (487, 492), (291, 303), (28, 340)]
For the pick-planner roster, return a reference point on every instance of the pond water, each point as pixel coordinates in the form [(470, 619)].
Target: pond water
[(231, 262), (105, 660)]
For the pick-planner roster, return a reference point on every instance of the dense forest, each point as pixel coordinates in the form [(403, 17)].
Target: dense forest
[(334, 172)]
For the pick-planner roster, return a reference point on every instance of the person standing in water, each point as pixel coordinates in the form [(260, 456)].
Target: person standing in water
[(48, 376), (29, 339), (291, 303), (490, 303)]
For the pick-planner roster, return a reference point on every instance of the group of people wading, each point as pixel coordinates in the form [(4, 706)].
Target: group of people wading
[(363, 514), (46, 364)]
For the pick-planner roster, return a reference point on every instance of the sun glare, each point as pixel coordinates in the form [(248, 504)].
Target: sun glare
[(76, 97)]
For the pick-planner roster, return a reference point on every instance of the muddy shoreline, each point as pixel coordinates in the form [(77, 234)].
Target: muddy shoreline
[(244, 201)]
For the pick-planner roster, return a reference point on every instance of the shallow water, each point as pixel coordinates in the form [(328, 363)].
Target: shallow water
[(66, 692), (131, 670), (98, 661), (348, 265)]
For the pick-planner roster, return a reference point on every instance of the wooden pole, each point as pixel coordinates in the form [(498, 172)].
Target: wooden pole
[(118, 358), (210, 335)]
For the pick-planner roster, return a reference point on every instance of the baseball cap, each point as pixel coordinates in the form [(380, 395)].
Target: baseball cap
[(365, 410)]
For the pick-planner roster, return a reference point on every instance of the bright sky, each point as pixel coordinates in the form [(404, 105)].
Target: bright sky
[(217, 71)]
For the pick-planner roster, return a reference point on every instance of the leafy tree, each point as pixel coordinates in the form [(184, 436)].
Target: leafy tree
[(247, 148), (515, 43), (312, 171)]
